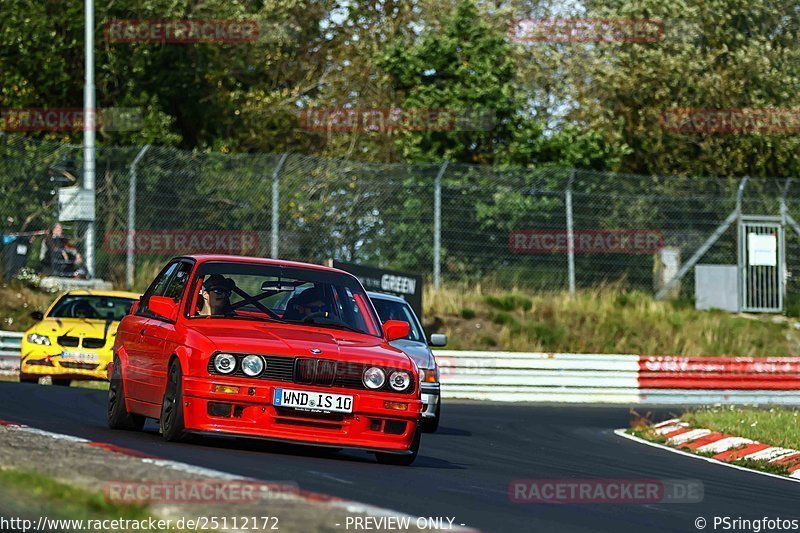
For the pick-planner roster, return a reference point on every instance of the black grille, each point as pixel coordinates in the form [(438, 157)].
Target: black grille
[(315, 371), (348, 375), (93, 343), (326, 372), (68, 341), (79, 365), (305, 370)]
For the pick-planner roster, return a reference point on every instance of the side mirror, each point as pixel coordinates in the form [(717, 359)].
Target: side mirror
[(37, 315), (438, 339), (396, 329), (134, 307), (163, 306)]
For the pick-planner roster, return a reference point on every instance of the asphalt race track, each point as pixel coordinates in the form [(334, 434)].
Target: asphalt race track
[(462, 471)]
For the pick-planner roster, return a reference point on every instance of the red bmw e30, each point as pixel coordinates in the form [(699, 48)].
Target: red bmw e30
[(267, 349)]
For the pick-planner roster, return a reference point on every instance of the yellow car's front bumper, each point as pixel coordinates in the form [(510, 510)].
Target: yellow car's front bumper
[(73, 363)]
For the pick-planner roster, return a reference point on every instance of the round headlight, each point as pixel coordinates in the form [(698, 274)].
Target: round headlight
[(224, 363), (252, 365), (399, 380), (35, 338), (374, 377)]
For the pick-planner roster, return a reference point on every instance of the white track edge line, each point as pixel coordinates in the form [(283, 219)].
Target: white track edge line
[(623, 433)]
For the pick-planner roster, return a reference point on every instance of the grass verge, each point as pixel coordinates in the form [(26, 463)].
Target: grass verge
[(776, 426), (30, 495), (779, 426), (37, 494)]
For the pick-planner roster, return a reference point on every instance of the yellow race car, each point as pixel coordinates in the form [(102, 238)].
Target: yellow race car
[(74, 337)]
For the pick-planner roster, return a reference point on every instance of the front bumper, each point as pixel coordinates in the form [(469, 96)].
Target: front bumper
[(38, 361), (431, 397), (371, 425)]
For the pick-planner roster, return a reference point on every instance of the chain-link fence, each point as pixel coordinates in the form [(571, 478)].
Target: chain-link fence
[(498, 227)]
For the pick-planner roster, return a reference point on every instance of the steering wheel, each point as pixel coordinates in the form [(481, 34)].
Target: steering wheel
[(312, 316)]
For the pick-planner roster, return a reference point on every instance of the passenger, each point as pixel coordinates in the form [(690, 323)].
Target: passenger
[(215, 296)]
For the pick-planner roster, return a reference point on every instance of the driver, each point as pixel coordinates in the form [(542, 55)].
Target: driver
[(83, 309), (311, 302), (215, 295)]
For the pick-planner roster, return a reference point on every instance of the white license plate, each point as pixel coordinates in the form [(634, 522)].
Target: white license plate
[(84, 357), (319, 401)]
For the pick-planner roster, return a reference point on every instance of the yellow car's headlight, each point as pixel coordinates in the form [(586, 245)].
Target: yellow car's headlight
[(35, 338)]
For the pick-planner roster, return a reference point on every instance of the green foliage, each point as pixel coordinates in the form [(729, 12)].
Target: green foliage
[(503, 318), (720, 54), (487, 341), (509, 302), (36, 493)]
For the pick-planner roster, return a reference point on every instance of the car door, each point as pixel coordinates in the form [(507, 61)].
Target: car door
[(161, 336), (139, 380)]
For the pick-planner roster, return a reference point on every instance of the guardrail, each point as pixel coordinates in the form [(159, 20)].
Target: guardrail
[(539, 377), (10, 345), (630, 379)]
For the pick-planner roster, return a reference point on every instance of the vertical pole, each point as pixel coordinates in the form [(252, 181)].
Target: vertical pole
[(130, 234), (570, 235), (783, 274), (437, 226), (742, 248), (88, 131), (275, 198)]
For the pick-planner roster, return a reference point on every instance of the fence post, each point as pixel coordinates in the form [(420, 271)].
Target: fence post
[(740, 243), (275, 198), (129, 238), (570, 235), (437, 226)]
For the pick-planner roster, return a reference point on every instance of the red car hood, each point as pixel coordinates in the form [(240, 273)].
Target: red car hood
[(278, 339)]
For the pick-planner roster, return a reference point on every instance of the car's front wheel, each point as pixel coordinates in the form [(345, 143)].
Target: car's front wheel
[(62, 382), (117, 415), (398, 459), (28, 379), (171, 421)]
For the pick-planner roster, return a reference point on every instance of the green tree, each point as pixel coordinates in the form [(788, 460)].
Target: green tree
[(720, 54)]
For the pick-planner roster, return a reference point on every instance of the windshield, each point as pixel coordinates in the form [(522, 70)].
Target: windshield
[(283, 294), (95, 307), (391, 310)]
